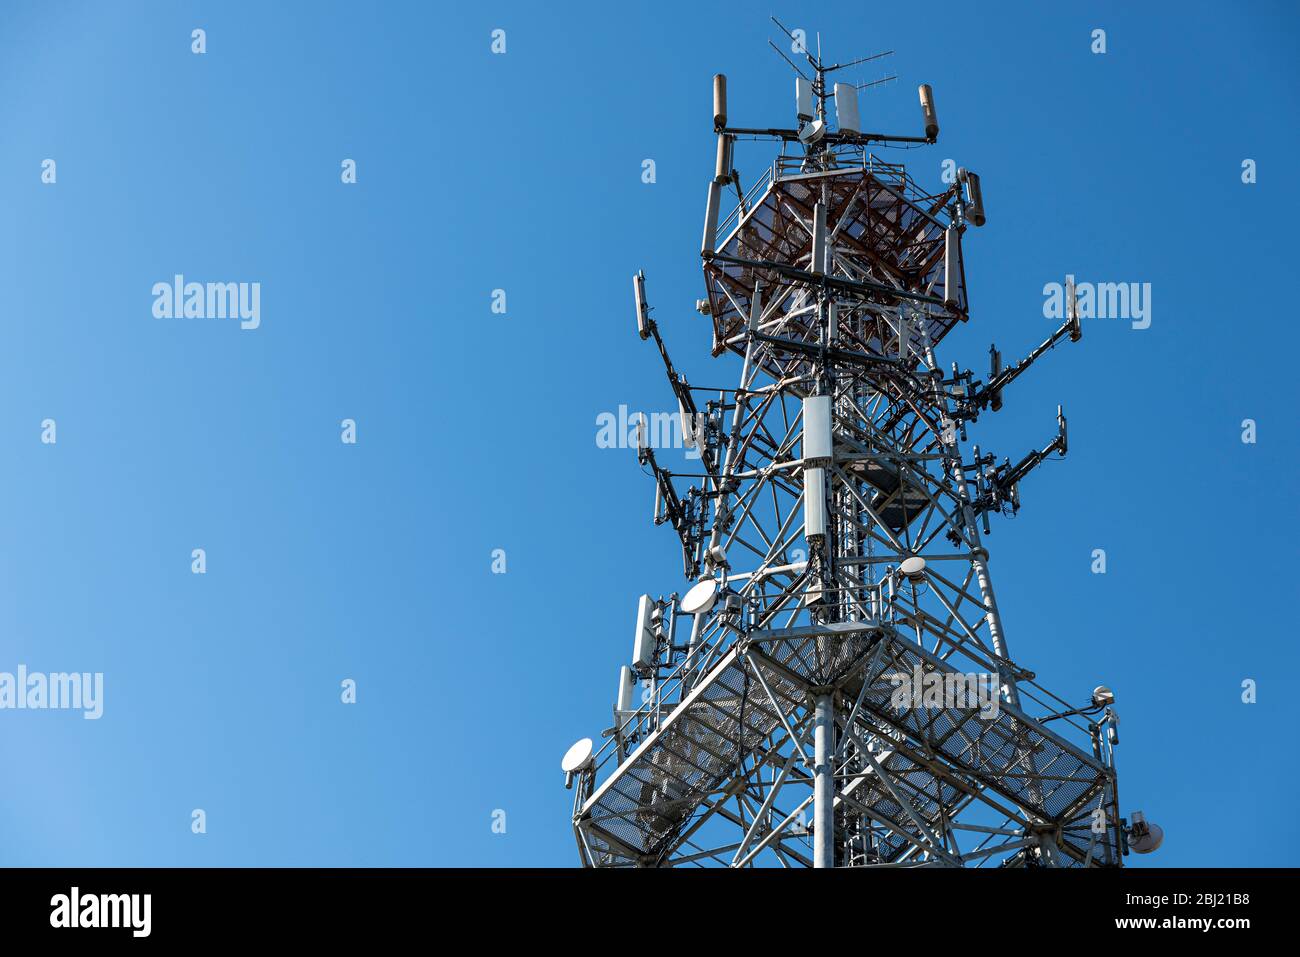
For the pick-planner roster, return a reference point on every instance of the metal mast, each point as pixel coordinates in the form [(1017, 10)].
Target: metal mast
[(836, 688)]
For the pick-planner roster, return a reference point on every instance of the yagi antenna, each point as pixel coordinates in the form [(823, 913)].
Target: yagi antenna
[(782, 28), (880, 82), (787, 60), (864, 59), (814, 61)]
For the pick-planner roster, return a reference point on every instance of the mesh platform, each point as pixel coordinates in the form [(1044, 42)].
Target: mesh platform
[(934, 757), (884, 236)]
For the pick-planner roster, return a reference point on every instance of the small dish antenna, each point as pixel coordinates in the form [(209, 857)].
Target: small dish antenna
[(812, 132), (1145, 837), (700, 599), (578, 758), (913, 568)]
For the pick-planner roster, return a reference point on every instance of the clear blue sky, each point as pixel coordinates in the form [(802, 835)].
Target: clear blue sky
[(476, 431)]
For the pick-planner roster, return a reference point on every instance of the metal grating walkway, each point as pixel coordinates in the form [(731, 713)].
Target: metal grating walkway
[(936, 757)]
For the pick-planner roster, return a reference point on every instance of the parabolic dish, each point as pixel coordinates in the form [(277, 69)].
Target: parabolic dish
[(700, 598), (912, 568), (577, 757), (1148, 842)]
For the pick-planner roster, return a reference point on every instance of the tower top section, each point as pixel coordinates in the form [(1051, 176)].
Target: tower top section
[(829, 218), (818, 92)]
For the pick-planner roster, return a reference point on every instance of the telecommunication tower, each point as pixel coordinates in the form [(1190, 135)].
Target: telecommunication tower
[(835, 687)]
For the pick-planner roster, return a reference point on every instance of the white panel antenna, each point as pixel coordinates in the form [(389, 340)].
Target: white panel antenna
[(846, 108), (645, 645), (951, 266), (803, 98), (814, 503), (626, 694), (642, 309), (817, 427)]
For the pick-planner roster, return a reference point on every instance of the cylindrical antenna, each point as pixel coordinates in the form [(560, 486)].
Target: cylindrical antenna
[(814, 503), (719, 101), (723, 173), (708, 246), (927, 111)]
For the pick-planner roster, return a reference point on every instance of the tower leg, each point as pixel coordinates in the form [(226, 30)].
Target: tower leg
[(824, 784)]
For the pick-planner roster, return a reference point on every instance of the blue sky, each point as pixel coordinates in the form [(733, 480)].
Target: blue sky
[(476, 431)]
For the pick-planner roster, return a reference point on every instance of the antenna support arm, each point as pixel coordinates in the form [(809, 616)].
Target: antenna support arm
[(991, 392)]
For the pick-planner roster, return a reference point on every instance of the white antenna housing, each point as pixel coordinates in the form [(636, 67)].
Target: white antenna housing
[(645, 644), (803, 98), (642, 310), (626, 693), (816, 427), (846, 108), (814, 503)]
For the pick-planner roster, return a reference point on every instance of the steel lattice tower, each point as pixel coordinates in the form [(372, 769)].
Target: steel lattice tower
[(833, 533)]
